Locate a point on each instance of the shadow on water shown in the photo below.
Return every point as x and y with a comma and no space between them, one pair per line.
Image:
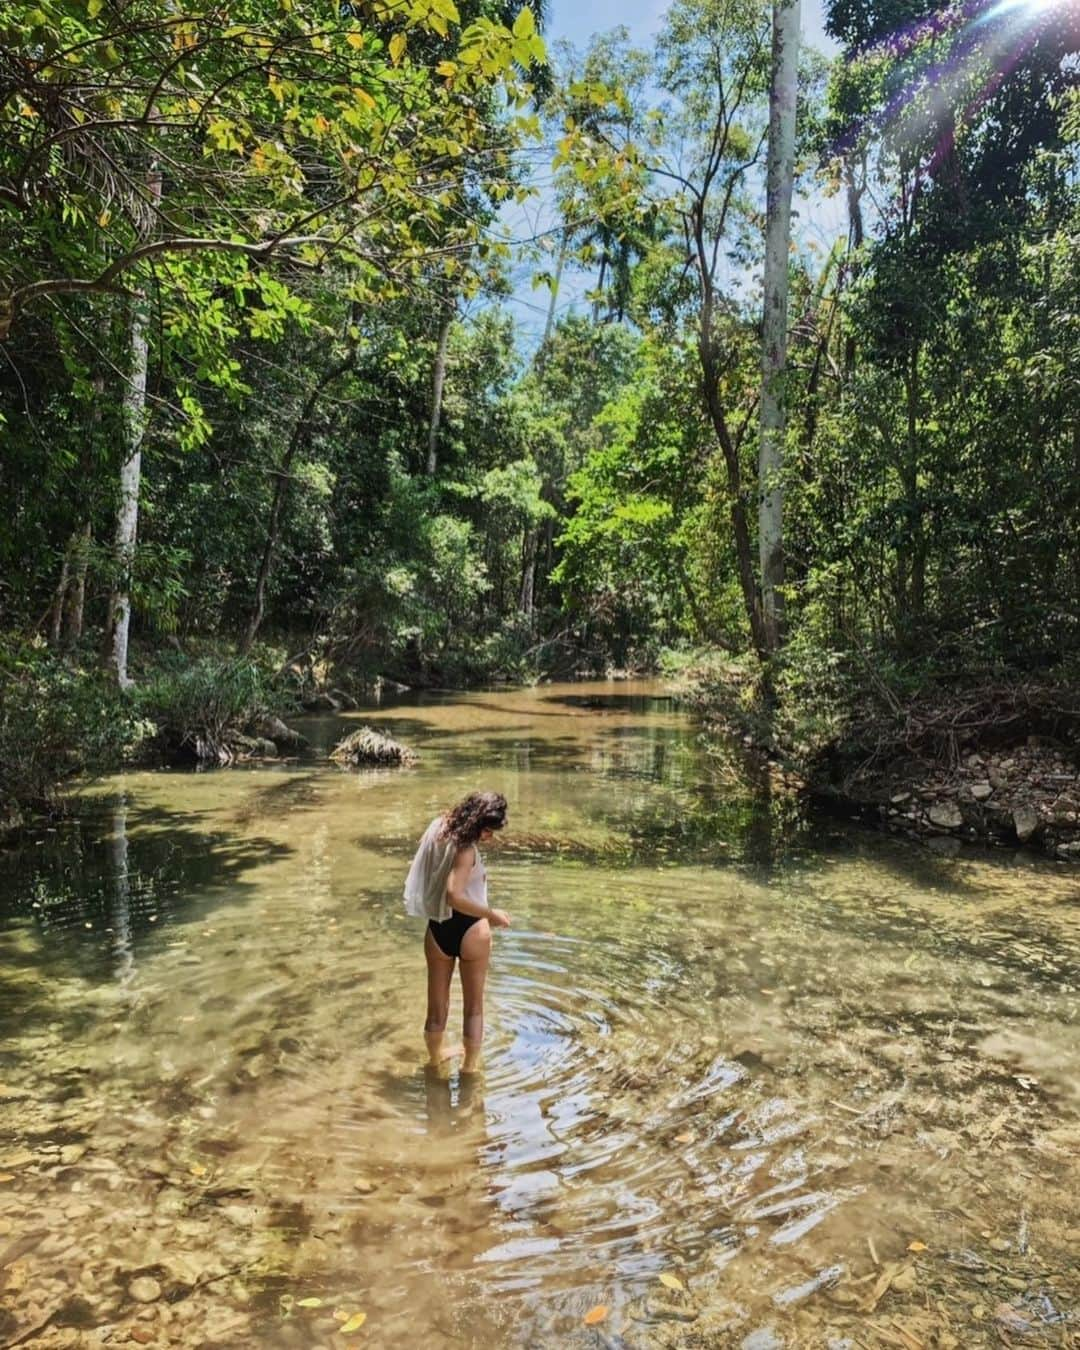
622,703
99,888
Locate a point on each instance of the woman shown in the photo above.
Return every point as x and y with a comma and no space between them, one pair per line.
447,884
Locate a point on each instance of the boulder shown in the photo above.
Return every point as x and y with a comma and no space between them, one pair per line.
946,816
1025,821
274,729
982,791
371,747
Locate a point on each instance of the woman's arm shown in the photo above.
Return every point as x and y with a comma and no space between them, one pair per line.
455,891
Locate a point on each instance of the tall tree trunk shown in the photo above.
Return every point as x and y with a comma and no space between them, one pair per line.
855,191
916,597
56,614
75,608
282,480
133,420
529,548
549,322
438,380
72,599
598,302
783,95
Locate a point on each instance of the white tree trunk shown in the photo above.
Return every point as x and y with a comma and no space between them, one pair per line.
783,96
127,514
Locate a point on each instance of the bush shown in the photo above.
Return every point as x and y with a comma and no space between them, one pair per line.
57,721
205,700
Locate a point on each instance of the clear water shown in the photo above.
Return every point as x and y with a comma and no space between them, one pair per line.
756,1056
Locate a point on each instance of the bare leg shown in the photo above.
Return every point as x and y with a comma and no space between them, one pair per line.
440,968
475,955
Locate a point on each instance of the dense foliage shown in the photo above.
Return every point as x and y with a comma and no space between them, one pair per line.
297,215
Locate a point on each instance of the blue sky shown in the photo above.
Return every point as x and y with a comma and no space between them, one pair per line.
818,219
578,22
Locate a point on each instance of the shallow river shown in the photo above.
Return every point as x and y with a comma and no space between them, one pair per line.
747,1082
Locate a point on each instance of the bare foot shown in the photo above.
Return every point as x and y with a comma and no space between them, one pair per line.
447,1052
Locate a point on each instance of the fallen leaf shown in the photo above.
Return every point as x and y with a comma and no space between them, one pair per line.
197,1170
881,1288
595,1315
309,1302
671,1281
687,1138
5,1177
355,1322
917,1247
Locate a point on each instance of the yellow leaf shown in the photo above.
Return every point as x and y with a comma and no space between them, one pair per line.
687,1138
671,1281
355,1322
595,1315
94,8
194,105
355,40
447,68
917,1247
362,96
322,126
309,1302
197,1170
398,43
5,1177
104,218
524,24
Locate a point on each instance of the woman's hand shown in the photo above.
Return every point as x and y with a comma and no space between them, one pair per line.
498,918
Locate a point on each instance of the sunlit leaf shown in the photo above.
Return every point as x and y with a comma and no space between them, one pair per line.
309,1302
398,43
917,1247
595,1315
355,1322
197,1170
671,1282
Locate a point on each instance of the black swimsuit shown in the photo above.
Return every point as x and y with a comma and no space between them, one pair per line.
449,933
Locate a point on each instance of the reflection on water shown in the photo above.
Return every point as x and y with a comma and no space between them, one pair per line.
826,1087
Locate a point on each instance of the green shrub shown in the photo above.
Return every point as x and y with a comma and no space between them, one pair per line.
56,721
207,698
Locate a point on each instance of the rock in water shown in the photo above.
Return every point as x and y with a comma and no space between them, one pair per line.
946,816
368,746
1026,822
144,1289
274,729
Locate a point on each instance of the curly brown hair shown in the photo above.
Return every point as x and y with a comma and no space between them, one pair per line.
479,811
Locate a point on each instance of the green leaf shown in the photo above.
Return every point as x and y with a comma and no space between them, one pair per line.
524,24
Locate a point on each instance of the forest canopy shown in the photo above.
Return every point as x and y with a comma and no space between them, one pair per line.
266,388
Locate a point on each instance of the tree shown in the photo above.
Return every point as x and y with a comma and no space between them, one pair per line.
780,175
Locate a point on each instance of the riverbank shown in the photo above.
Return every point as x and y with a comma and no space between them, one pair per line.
996,763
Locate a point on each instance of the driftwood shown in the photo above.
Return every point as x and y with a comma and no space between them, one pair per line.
368,746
